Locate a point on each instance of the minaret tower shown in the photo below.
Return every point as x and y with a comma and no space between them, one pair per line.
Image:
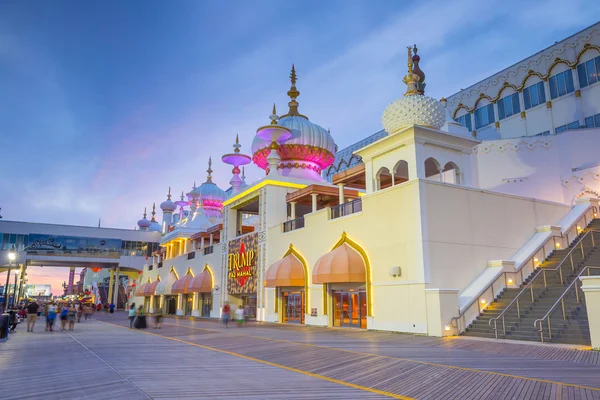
236,159
143,223
167,207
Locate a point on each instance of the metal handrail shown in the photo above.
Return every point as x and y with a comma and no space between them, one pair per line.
542,271
561,299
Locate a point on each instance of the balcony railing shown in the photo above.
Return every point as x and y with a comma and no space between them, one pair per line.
191,255
208,250
293,224
351,207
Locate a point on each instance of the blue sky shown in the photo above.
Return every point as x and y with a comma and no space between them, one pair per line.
104,104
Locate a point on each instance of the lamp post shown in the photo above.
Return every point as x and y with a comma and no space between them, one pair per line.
15,289
12,254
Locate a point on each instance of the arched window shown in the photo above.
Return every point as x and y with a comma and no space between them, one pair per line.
451,173
400,172
432,169
384,178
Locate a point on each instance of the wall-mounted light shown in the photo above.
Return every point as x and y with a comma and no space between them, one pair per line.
578,228
557,245
535,259
482,301
447,328
510,281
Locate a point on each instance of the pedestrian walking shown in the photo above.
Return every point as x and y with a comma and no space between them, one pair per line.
131,315
87,310
158,319
111,308
32,315
79,308
51,316
63,317
140,320
239,316
71,316
226,313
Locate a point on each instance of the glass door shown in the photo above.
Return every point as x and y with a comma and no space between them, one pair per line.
293,307
350,309
206,304
249,304
188,304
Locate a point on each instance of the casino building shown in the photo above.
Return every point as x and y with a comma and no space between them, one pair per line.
417,228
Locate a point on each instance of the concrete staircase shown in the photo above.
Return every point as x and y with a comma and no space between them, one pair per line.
519,318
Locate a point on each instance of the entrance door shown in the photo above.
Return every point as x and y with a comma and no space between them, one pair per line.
171,305
249,303
350,309
293,307
206,304
188,304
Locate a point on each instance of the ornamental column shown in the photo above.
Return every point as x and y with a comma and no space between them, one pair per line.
116,291
110,285
292,210
591,289
341,193
314,201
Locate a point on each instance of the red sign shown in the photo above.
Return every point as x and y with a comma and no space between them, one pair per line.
243,260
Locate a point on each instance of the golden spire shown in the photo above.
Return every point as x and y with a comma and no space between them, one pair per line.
274,116
144,212
411,79
169,195
236,146
209,170
153,212
293,93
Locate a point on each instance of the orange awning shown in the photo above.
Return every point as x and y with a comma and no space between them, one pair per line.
202,283
181,285
151,288
139,291
288,271
340,265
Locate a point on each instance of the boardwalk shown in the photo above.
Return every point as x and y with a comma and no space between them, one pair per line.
201,360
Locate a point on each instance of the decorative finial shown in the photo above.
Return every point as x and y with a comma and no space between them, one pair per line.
274,117
182,195
169,195
418,71
209,170
145,213
237,145
243,174
153,212
194,187
293,93
411,79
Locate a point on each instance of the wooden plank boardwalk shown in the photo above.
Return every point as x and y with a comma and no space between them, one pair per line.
201,360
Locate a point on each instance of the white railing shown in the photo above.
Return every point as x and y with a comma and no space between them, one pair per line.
515,278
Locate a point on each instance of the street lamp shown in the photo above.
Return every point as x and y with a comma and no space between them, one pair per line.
12,254
15,289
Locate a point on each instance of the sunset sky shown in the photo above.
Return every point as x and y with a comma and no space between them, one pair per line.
105,104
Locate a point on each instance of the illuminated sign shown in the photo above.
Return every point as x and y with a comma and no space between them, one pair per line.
242,263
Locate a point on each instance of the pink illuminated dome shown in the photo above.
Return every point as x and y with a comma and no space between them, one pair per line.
310,149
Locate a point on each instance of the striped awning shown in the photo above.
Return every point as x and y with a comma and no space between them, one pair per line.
201,283
151,288
342,264
181,285
139,291
288,271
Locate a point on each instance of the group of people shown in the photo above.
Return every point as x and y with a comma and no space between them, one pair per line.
137,318
241,315
67,313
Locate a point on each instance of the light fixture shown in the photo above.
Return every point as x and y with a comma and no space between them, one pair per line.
557,245
535,259
447,328
578,228
510,281
482,301
12,254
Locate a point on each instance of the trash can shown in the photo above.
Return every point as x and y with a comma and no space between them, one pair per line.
4,322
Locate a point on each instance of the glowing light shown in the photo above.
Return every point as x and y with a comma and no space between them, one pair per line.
510,281
482,301
261,185
535,260
557,245
578,228
447,328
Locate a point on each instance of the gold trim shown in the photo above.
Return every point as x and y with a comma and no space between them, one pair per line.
548,104
345,239
497,124
530,73
174,271
523,114
578,93
292,250
474,133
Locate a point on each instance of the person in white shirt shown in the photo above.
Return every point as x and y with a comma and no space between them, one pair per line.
239,316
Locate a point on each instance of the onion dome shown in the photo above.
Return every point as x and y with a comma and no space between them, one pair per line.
212,196
236,159
168,205
310,149
154,225
143,223
414,108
